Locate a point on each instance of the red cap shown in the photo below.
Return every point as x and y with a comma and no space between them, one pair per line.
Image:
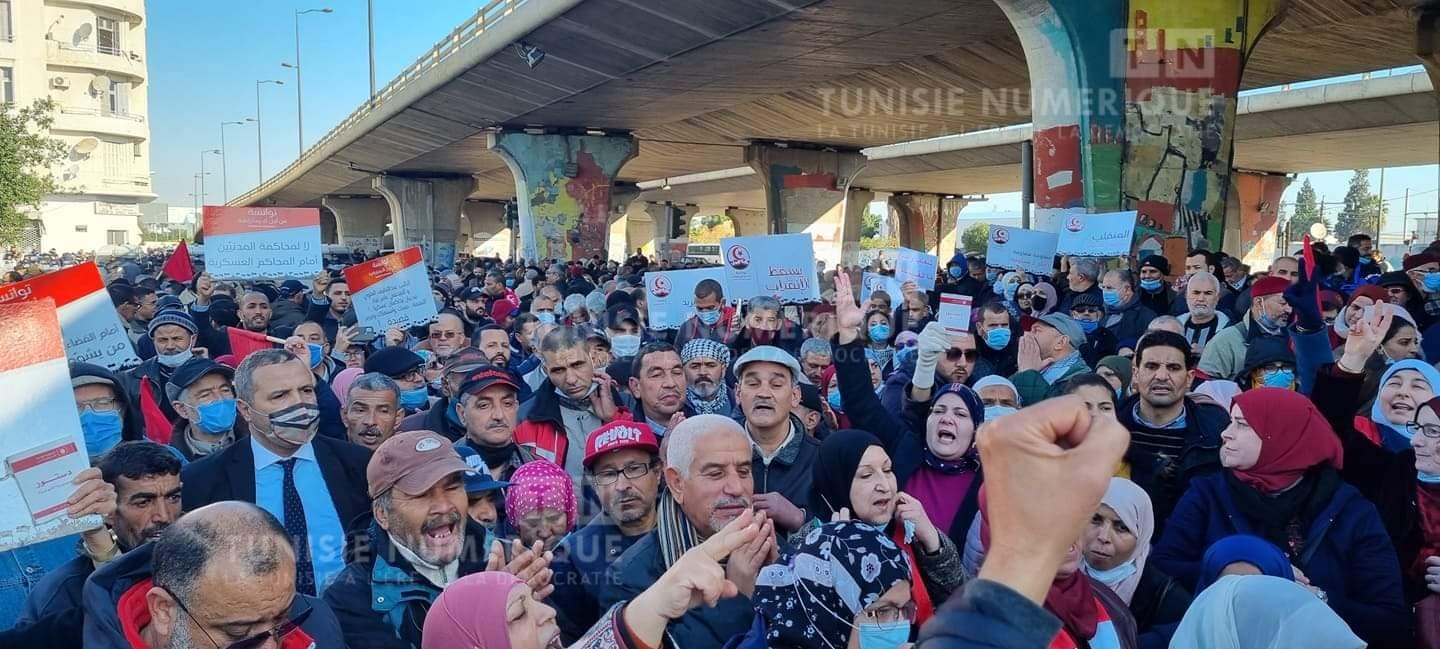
501,309
618,435
1415,261
1269,285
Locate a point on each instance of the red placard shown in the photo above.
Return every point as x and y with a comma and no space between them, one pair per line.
244,220
31,334
361,276
63,286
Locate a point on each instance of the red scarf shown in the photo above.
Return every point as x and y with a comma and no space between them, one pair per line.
1294,437
1071,600
924,606
1428,501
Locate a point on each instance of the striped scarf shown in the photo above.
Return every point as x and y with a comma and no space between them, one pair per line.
718,404
675,532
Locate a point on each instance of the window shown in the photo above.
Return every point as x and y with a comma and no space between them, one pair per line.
117,237
7,85
137,149
117,101
107,35
5,33
82,228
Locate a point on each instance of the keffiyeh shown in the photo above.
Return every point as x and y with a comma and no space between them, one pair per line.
705,348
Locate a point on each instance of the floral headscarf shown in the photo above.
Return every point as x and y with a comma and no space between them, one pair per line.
538,485
811,596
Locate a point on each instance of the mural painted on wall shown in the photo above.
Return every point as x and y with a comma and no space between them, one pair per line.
566,181
1183,69
1259,200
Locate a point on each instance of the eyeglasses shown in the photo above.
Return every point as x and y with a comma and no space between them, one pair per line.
891,615
277,633
103,404
956,354
632,471
444,335
1431,431
412,375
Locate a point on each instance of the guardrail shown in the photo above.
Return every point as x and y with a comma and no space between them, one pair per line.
91,110
489,14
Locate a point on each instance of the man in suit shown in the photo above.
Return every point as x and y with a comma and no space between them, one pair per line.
314,485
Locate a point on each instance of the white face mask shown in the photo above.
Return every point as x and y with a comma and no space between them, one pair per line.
174,360
625,345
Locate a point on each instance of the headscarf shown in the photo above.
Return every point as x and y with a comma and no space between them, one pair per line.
1261,612
470,613
1123,368
971,460
1220,391
1243,547
810,596
1293,438
994,380
341,383
1132,505
1392,433
1376,295
1051,301
538,485
840,456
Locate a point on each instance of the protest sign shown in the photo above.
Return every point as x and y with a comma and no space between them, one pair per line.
391,291
670,295
954,313
916,266
871,282
256,242
1096,235
88,321
40,462
1031,251
779,265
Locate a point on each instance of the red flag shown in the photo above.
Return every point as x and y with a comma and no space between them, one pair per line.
244,343
157,426
178,267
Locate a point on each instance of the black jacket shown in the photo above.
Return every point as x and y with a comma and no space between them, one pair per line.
1159,602
1166,479
149,370
59,591
380,599
433,419
792,469
703,627
230,475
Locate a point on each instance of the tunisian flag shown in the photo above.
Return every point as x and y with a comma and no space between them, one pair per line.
178,267
244,343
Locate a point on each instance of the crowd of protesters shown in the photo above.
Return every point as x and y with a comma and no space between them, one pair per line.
1117,453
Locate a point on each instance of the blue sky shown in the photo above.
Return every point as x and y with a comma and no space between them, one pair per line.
205,56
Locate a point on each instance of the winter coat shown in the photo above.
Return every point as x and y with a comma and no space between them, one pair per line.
581,564
1032,386
1134,318
791,471
703,627
434,419
1159,603
542,429
1165,480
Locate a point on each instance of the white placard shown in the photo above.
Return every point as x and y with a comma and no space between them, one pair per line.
262,242
1097,235
392,291
1032,251
779,265
91,327
916,266
871,282
670,294
954,313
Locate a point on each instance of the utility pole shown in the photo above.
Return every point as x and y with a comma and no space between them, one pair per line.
370,19
1380,207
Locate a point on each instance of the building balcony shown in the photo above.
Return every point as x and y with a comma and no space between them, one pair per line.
132,186
132,10
86,55
89,119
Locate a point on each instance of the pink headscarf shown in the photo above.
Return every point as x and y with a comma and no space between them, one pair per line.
537,485
470,613
341,384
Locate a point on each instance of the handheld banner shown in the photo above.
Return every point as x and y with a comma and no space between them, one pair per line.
1030,251
88,321
871,282
392,291
779,265
916,266
670,294
954,313
262,242
1096,235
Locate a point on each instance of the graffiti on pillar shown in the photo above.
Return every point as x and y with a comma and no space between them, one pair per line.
1259,206
919,220
566,183
1183,68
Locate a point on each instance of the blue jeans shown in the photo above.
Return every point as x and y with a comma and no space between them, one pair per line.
22,568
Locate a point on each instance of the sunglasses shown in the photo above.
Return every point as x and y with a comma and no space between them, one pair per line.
956,354
277,633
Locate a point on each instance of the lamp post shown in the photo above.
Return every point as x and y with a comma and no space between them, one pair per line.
370,28
204,173
259,140
299,100
225,158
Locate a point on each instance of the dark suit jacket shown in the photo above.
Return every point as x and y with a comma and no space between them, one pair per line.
230,475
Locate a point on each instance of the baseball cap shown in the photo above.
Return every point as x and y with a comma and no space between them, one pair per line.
291,287
478,478
618,435
1067,326
465,359
473,293
412,462
769,354
191,371
619,313
487,375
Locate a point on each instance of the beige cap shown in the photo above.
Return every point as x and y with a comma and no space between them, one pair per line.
412,462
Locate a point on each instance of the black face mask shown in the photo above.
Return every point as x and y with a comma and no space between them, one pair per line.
1037,303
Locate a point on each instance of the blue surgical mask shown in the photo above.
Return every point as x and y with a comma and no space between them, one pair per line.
174,360
317,354
217,416
955,272
997,411
990,275
1432,282
1282,378
999,289
834,399
708,317
1088,326
1112,576
102,430
1267,321
1151,284
1428,478
997,338
413,398
879,332
884,636
1111,297
625,345
509,282
1010,289
545,317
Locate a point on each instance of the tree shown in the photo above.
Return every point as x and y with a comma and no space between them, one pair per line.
976,238
870,225
26,154
1307,212
1362,211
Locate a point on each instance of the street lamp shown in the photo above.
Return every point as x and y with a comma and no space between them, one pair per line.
225,156
204,173
259,144
299,102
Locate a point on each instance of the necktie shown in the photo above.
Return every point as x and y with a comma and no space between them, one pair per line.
296,528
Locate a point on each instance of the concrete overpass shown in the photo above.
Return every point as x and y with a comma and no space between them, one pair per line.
635,90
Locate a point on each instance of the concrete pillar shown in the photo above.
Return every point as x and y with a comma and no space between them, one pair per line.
1134,107
488,234
748,222
1252,220
563,186
329,226
1427,40
428,211
802,194
927,222
360,222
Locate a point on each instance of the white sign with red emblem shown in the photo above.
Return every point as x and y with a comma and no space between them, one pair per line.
253,242
1018,249
1096,235
38,463
954,313
781,266
92,329
916,266
670,294
392,291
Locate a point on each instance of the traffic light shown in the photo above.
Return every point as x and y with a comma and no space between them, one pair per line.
679,224
512,214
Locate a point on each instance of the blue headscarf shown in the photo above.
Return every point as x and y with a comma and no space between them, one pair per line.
1242,547
1395,438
